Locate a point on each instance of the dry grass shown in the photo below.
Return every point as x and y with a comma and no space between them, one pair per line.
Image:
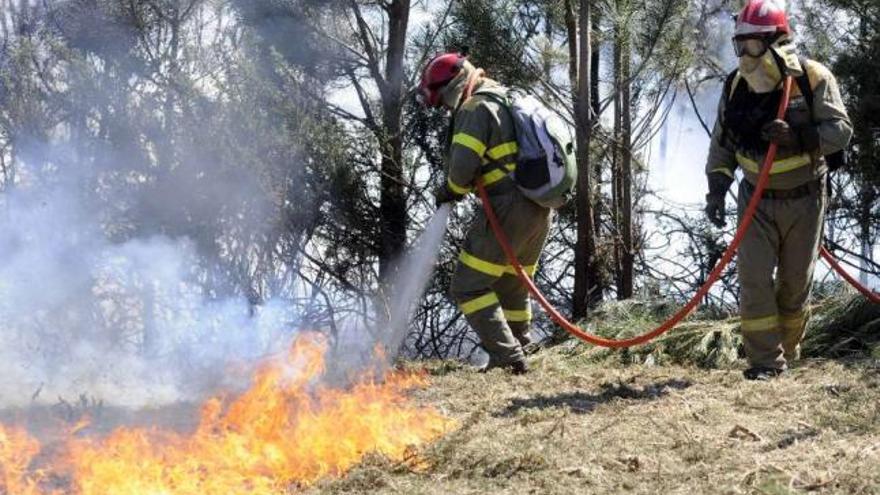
575,427
585,421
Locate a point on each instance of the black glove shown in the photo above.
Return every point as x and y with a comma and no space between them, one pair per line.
715,210
779,132
719,183
443,195
804,138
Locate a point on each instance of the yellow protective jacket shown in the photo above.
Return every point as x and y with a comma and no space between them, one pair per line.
792,167
483,142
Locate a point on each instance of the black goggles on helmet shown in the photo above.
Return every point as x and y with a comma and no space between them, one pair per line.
753,46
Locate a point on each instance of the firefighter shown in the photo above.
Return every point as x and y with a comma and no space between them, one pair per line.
786,230
482,145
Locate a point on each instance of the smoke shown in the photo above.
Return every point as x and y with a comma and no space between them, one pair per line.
138,212
129,323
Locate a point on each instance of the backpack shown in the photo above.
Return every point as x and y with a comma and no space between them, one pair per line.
546,169
835,160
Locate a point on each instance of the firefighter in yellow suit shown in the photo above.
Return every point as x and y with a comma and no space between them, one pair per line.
786,231
483,146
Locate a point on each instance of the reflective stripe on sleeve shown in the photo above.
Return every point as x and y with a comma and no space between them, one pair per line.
779,166
470,143
502,150
456,188
724,170
497,174
479,303
518,315
760,324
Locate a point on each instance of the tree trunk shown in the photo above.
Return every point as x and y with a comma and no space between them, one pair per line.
627,255
571,29
594,68
393,197
586,288
622,157
595,60
168,154
616,150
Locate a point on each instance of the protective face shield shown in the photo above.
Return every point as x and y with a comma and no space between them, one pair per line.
753,46
761,73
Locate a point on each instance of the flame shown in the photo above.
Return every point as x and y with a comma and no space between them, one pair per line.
283,432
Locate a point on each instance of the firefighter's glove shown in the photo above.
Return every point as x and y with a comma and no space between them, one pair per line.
719,183
715,210
779,132
443,195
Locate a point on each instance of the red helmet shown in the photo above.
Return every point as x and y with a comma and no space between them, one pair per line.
439,72
760,18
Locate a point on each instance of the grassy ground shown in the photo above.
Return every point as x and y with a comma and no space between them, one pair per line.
585,421
575,427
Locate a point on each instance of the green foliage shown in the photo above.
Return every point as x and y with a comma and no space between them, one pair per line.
842,326
498,34
704,343
845,35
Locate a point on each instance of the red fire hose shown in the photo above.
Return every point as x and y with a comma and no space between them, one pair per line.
573,329
872,296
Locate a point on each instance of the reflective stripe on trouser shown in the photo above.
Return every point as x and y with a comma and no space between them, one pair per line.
515,306
784,235
793,327
484,285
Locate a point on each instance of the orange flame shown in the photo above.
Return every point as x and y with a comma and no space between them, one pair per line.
282,432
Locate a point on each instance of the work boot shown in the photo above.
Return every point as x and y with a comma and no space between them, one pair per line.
518,367
531,348
762,373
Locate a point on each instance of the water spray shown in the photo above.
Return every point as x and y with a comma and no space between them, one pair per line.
412,277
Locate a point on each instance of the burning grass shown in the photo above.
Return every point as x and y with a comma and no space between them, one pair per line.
284,432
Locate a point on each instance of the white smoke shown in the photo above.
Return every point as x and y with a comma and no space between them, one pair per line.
127,323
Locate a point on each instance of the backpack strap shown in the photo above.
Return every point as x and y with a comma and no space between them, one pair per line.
730,84
803,82
504,101
837,159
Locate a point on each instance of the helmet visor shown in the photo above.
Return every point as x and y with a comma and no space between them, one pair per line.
751,46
